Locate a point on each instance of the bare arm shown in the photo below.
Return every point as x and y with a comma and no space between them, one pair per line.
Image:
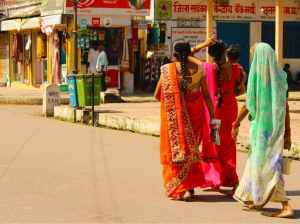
207,98
243,113
235,126
241,84
205,44
195,60
287,133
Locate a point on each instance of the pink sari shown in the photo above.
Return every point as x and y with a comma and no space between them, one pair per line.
221,158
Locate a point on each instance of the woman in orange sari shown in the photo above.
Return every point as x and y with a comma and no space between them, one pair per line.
181,90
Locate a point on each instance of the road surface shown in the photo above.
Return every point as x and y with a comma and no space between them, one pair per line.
56,172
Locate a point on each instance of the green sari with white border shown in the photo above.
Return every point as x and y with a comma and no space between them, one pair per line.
266,101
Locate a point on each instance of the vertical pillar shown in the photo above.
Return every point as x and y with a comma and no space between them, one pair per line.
209,22
49,58
75,65
70,44
279,31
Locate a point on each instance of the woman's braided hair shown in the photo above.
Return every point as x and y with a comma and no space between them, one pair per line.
181,52
217,52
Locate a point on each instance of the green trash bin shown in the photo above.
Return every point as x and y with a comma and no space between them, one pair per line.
84,90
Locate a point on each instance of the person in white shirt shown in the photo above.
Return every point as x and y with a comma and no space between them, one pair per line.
92,59
102,61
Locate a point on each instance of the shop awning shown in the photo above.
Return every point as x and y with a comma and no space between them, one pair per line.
30,23
23,8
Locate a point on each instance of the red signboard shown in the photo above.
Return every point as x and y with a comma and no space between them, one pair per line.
113,4
96,21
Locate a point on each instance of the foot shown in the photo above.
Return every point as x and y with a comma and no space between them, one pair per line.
284,213
192,192
231,193
252,207
188,195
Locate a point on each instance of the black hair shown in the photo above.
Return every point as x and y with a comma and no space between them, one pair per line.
233,52
217,52
181,52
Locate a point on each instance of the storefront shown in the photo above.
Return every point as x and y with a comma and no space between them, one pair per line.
242,22
111,23
110,31
29,49
4,59
41,38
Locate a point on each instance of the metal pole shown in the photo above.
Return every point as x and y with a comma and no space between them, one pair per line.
75,46
93,99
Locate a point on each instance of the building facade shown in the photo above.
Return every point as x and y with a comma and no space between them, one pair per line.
242,22
36,40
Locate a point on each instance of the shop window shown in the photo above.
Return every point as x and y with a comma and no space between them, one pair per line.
268,33
291,39
114,38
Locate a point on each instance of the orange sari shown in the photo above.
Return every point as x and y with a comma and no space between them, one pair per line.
181,133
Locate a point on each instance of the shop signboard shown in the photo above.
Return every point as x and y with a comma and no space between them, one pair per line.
180,9
237,10
111,7
20,8
83,24
96,21
52,7
192,35
247,10
106,21
291,10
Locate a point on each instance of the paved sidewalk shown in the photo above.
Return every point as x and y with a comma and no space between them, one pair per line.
34,96
145,118
25,96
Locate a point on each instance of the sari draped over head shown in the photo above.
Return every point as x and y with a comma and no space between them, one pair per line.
266,102
179,146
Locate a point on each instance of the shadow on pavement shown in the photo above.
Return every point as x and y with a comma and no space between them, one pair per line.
108,111
212,198
293,193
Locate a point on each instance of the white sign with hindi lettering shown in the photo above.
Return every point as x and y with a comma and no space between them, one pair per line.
237,10
51,98
192,35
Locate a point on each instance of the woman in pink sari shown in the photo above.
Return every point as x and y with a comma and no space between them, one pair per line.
223,79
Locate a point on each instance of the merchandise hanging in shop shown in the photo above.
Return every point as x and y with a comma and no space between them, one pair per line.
152,70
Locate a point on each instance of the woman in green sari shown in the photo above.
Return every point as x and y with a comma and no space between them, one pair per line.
266,105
